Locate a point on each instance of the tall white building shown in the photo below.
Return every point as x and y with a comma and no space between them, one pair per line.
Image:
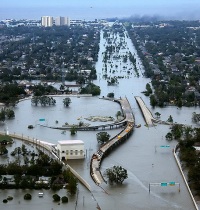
61,21
47,21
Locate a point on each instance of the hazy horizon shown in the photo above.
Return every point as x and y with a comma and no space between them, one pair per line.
90,9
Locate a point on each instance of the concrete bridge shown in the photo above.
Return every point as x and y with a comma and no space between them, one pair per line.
91,128
149,119
120,138
107,126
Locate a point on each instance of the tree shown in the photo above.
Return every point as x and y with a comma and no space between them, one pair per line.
10,113
66,101
2,115
170,119
56,197
43,100
111,95
195,117
177,131
3,150
17,179
118,114
72,184
153,100
35,100
157,114
102,137
112,81
91,89
169,136
148,90
64,199
73,130
116,174
27,196
71,181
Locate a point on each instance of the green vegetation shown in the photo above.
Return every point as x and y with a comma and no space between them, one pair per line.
6,138
11,93
66,101
169,136
33,167
118,114
116,174
188,138
148,91
3,150
111,95
40,90
27,196
170,55
64,199
49,54
91,89
195,117
9,113
73,130
102,137
72,182
170,119
157,114
112,81
43,100
56,197
6,113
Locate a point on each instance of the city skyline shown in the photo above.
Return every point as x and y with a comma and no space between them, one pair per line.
89,9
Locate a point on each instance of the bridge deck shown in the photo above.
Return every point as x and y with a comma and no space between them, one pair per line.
145,111
115,141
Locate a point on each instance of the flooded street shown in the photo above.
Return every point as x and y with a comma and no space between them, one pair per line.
142,156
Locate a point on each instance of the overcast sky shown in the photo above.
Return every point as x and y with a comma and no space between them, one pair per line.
98,8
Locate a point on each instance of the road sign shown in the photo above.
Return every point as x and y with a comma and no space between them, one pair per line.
164,146
41,119
171,183
163,184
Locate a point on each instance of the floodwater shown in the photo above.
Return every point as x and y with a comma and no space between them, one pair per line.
142,156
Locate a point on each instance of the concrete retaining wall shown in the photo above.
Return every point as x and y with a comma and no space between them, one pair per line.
186,183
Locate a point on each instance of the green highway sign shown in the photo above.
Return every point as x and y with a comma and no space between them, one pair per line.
171,183
164,146
41,119
163,184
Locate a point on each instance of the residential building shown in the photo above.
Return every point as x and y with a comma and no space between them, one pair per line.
61,21
47,21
